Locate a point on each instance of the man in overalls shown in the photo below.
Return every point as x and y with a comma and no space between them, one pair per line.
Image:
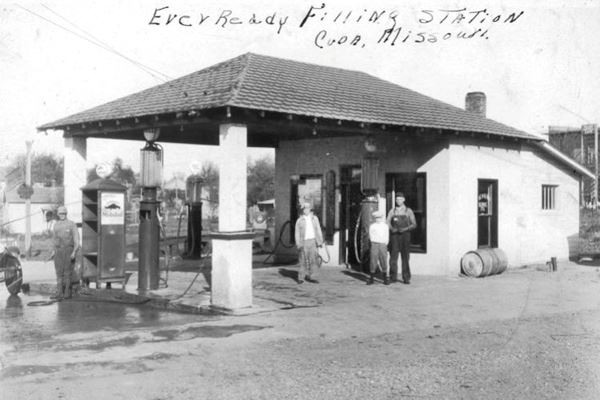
66,243
401,221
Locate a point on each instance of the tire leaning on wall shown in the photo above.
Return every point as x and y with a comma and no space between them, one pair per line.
484,262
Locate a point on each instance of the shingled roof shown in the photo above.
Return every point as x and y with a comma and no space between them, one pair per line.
267,83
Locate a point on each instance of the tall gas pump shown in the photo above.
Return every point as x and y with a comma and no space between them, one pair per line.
194,205
369,204
151,157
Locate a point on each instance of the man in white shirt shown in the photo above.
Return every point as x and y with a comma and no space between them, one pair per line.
308,236
379,235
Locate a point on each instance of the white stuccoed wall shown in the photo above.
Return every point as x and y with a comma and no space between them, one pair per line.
525,232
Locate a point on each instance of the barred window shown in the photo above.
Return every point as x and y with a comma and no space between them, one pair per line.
549,197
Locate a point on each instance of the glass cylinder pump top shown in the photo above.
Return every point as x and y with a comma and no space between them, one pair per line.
151,167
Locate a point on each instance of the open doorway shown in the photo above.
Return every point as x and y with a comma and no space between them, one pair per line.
487,213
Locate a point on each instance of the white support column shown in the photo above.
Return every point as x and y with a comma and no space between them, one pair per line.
231,286
75,175
232,177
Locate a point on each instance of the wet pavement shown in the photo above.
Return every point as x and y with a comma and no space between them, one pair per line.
72,316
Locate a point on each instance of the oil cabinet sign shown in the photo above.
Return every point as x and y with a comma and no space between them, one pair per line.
113,208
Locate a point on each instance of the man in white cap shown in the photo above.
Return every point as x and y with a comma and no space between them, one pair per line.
308,236
66,243
379,235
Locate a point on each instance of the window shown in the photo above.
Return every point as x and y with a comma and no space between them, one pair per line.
549,197
413,185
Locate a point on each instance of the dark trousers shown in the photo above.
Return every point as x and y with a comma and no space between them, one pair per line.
64,268
400,244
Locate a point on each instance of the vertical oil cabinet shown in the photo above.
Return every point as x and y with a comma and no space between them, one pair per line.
103,232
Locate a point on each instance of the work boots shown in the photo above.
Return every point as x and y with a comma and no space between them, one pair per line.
371,280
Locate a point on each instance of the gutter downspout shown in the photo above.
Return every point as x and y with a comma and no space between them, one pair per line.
548,148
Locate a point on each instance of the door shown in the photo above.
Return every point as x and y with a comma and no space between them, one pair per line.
351,197
487,213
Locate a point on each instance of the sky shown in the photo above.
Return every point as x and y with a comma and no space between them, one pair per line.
537,61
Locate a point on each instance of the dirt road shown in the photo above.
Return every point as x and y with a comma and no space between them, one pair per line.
525,334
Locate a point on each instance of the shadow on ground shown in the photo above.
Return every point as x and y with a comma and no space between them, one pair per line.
288,273
355,274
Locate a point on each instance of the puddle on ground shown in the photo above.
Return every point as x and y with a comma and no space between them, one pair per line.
209,331
99,346
22,370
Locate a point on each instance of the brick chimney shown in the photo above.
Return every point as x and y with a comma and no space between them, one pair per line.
475,102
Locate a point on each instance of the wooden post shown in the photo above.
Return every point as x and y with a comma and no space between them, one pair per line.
595,129
28,143
581,185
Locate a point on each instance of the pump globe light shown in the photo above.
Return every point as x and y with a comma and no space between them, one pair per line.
370,145
151,134
104,169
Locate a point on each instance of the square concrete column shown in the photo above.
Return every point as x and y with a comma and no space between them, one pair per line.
231,285
75,175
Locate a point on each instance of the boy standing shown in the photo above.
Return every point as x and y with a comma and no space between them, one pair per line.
379,236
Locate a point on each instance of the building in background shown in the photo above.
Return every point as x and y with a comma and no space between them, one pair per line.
44,202
580,144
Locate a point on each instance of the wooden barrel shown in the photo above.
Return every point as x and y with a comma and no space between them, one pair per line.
484,262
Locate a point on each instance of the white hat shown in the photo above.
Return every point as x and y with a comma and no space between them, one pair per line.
306,205
378,214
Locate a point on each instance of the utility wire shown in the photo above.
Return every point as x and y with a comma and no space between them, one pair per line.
107,46
574,113
144,68
33,214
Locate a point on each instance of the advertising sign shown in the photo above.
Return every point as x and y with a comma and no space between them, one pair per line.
588,129
113,208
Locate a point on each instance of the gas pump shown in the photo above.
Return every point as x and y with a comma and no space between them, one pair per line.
194,227
369,204
149,229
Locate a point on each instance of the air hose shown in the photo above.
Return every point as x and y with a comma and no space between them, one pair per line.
279,241
356,252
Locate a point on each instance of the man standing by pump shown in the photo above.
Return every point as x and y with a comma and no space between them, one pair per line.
401,221
308,237
66,243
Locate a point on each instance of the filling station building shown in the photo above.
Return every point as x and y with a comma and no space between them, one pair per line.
340,135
